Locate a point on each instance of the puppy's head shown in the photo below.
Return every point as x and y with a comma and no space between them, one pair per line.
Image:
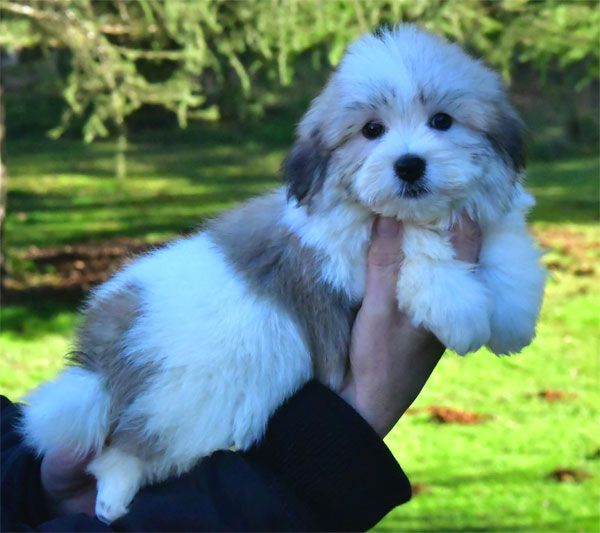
409,126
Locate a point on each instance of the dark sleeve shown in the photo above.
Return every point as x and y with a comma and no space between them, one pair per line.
20,490
319,467
23,506
326,453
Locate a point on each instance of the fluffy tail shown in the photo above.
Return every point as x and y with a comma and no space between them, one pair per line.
71,412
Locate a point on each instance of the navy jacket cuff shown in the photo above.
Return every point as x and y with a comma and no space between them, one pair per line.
325,452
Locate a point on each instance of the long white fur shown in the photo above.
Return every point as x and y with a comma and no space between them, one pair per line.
79,393
226,370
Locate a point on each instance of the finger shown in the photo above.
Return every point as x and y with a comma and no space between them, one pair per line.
82,502
385,249
465,235
67,462
383,261
63,472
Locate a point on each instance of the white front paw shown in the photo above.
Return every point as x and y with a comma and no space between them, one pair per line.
517,298
448,300
465,332
511,331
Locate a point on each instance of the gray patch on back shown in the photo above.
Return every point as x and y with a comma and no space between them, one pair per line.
277,266
100,349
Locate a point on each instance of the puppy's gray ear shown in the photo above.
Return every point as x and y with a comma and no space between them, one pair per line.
305,168
507,135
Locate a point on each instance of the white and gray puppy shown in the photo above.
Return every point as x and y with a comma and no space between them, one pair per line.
191,348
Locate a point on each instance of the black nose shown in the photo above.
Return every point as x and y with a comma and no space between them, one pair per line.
409,168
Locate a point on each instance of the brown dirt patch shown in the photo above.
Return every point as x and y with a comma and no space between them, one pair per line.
76,268
70,269
570,250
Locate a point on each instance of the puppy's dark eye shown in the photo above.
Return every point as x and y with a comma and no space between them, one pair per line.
440,121
372,130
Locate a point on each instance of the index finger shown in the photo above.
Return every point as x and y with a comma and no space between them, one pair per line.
466,237
383,262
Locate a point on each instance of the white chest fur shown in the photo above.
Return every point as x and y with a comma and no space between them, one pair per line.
341,232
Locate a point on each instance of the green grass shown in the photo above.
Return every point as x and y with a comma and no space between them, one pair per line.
65,192
495,476
492,476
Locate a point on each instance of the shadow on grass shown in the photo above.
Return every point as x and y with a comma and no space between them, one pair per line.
565,191
578,523
132,217
33,316
224,190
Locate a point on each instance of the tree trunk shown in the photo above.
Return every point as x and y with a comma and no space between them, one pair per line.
3,179
121,155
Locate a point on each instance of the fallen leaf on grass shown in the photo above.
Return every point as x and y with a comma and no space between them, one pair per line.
419,488
447,415
413,411
553,395
569,475
584,270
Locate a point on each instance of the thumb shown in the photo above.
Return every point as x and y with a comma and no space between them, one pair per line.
384,258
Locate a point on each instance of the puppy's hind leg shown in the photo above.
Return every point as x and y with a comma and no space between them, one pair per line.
119,476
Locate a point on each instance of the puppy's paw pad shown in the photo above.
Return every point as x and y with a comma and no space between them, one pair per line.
108,511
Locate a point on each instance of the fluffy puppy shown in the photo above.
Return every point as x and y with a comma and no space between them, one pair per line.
226,324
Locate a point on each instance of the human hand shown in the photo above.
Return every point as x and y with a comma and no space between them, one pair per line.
391,360
68,487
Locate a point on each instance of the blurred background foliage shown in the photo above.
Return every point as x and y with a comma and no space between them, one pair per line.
195,102
226,59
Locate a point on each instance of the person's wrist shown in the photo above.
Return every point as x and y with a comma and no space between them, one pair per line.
373,414
380,402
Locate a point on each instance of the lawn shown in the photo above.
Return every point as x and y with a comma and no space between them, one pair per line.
533,460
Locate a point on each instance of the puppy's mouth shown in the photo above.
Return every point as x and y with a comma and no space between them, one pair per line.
414,190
